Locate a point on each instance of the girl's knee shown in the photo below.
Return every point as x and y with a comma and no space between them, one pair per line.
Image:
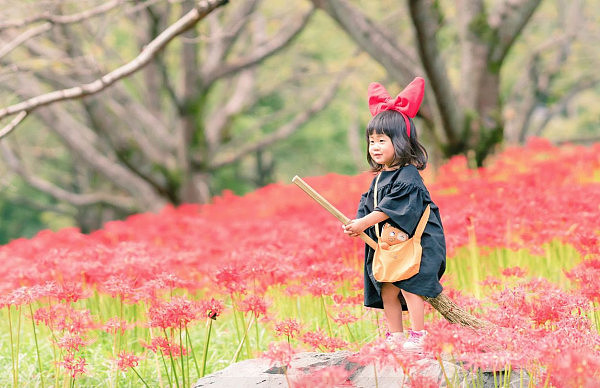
389,292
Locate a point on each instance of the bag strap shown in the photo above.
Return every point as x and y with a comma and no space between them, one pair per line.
420,226
375,205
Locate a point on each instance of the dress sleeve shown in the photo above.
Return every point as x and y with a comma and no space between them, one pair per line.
361,206
404,204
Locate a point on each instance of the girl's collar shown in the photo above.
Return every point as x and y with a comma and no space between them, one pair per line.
393,168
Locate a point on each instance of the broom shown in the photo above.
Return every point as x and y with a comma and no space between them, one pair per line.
442,303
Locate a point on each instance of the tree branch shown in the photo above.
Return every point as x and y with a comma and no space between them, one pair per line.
75,199
51,20
561,104
259,54
513,16
399,62
186,22
237,153
242,95
423,17
62,19
13,124
221,41
23,37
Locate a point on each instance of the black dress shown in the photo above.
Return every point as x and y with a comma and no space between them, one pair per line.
402,195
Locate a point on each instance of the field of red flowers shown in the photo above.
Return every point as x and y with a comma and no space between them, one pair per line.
162,299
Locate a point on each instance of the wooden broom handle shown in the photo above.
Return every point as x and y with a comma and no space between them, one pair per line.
441,303
330,208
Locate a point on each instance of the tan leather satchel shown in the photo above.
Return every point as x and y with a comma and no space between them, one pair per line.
401,259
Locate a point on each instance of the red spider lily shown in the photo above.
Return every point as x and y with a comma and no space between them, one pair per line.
313,338
115,325
333,343
380,353
319,287
575,369
337,298
585,275
176,313
166,347
514,271
211,308
289,327
345,318
569,364
127,360
331,376
120,286
422,381
254,304
72,342
62,317
74,367
280,353
27,295
536,300
70,292
319,340
232,278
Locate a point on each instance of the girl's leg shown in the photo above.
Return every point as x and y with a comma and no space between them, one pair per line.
392,308
416,309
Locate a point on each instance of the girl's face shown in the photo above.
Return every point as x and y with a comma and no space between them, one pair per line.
381,149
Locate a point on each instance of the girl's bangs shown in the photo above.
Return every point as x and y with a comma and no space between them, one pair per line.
386,123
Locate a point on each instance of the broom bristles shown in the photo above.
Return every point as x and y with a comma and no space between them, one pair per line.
454,314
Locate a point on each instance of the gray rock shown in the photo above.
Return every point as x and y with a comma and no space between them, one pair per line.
261,373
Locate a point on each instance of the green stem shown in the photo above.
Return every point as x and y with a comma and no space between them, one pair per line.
326,316
257,337
17,347
172,362
181,357
205,352
238,350
189,341
474,257
444,371
352,339
115,354
166,368
55,358
117,344
12,353
138,375
507,374
247,343
37,348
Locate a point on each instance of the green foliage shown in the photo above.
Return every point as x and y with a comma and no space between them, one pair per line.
21,216
18,221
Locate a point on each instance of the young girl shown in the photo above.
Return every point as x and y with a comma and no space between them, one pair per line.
396,155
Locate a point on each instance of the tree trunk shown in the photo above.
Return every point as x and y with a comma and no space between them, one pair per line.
470,112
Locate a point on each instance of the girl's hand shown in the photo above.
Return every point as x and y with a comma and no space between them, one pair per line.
355,227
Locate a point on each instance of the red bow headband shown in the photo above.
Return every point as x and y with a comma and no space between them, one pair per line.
406,102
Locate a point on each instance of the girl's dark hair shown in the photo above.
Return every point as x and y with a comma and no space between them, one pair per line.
408,150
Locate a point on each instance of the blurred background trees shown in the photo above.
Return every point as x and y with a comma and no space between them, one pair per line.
260,90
